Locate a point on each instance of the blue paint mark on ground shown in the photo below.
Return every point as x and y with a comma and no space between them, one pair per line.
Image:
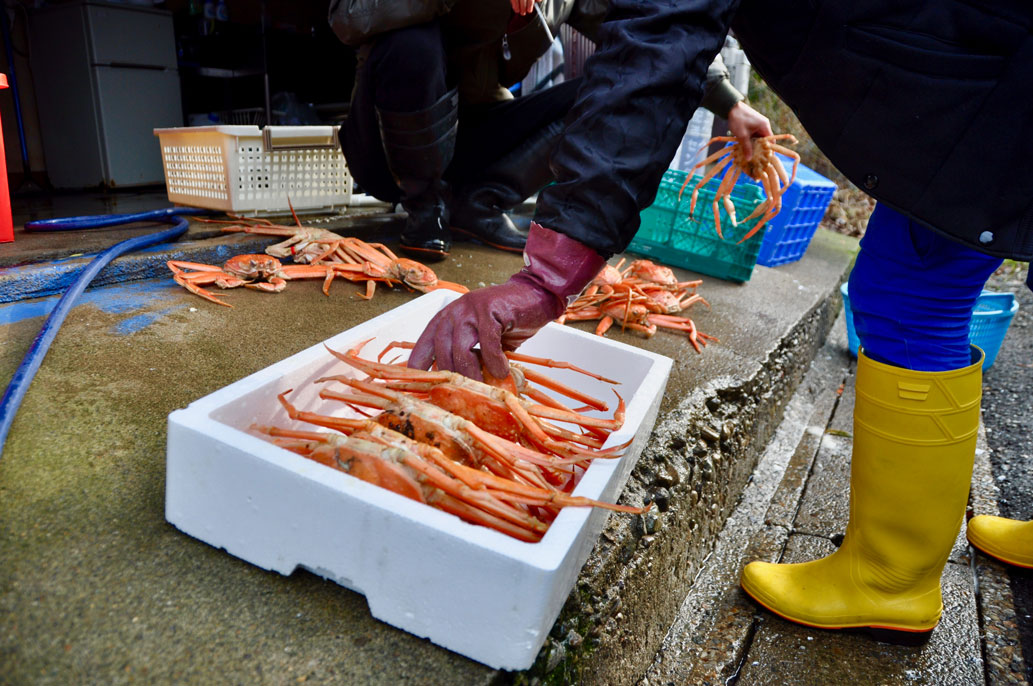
9,314
141,321
122,298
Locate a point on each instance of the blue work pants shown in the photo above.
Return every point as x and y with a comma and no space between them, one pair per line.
912,292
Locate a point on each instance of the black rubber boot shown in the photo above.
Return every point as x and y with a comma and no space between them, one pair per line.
419,146
479,209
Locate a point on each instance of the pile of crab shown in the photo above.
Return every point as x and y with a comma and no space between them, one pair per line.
643,296
501,453
317,253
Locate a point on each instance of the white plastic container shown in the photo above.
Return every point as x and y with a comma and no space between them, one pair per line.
468,588
246,170
697,133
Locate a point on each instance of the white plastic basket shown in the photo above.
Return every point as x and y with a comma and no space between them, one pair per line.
250,171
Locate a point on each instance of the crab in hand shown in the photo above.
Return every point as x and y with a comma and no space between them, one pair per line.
763,166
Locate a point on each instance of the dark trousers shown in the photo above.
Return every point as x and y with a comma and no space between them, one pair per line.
406,71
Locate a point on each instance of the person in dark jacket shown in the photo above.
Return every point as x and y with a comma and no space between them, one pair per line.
433,126
921,103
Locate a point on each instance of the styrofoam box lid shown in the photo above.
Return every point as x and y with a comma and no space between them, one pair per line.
468,588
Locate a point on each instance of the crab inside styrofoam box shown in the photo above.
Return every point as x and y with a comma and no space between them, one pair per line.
468,588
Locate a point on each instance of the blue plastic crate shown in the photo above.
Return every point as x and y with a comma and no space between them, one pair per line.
990,321
991,318
803,205
668,234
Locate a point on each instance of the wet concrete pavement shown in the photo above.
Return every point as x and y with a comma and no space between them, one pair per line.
748,458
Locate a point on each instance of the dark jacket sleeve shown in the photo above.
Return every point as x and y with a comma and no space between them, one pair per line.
719,95
641,87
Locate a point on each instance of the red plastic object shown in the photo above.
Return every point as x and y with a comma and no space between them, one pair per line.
6,225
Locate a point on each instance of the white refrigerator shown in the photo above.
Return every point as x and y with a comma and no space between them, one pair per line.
105,76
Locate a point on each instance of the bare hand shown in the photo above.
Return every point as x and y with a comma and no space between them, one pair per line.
745,123
523,6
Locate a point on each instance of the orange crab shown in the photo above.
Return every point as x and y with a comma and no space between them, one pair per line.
643,296
763,166
260,272
353,258
378,262
488,456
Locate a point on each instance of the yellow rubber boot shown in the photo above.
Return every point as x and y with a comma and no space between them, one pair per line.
1007,540
914,444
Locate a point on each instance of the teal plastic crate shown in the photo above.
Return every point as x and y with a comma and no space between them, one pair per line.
991,318
668,234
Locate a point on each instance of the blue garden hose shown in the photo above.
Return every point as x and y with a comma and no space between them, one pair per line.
98,221
23,376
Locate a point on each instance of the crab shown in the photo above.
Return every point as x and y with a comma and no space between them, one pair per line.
763,166
261,272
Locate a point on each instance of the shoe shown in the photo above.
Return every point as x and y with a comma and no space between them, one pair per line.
489,225
419,147
1007,540
479,209
914,445
426,234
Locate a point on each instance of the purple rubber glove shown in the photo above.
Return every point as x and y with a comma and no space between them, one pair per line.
557,268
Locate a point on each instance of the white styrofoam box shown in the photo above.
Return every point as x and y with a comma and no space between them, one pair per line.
697,133
250,171
468,588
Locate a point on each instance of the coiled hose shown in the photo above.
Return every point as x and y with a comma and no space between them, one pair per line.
23,376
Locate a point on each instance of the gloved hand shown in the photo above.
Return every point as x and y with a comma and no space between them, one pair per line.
500,318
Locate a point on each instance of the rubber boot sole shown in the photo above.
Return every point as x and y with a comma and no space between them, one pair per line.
999,558
884,634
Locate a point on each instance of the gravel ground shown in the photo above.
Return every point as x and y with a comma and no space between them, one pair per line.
1006,415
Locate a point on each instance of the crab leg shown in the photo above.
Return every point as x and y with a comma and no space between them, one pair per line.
776,205
555,364
473,478
444,437
791,154
709,175
520,357
447,432
203,273
725,192
383,466
759,210
516,405
532,430
712,158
